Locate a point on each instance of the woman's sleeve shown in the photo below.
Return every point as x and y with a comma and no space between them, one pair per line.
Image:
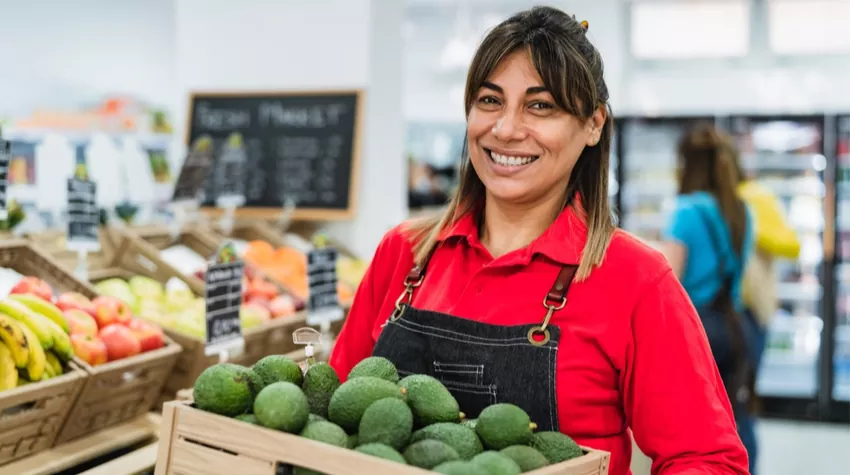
674,399
682,223
354,342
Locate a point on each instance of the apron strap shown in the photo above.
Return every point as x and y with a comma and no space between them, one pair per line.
417,273
558,293
556,299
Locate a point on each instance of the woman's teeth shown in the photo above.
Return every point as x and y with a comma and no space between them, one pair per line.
509,161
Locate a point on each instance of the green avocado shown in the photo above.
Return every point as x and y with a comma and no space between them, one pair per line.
430,401
224,389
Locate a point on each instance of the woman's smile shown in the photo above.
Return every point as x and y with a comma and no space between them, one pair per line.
504,162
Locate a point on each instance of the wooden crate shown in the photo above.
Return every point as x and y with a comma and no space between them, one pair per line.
33,415
135,255
53,242
125,449
120,391
110,394
194,442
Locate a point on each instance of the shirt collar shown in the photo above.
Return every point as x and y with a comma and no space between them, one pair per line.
563,242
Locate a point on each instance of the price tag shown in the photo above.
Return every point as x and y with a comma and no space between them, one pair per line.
194,171
5,158
323,303
83,215
223,301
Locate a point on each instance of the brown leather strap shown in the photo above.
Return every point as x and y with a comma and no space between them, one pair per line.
559,289
418,272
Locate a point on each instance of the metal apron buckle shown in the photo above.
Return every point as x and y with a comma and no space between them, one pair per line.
542,329
404,300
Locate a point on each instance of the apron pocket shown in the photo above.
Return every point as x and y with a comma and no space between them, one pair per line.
460,373
473,398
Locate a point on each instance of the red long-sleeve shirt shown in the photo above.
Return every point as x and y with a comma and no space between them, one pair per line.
632,355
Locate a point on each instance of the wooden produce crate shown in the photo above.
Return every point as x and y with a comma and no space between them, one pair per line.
194,442
34,414
137,253
261,231
53,242
110,393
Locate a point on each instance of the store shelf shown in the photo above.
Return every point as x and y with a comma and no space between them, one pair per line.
797,291
783,161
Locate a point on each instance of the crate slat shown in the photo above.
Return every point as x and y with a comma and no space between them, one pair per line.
195,442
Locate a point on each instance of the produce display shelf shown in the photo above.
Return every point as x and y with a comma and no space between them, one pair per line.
137,253
194,442
138,436
108,395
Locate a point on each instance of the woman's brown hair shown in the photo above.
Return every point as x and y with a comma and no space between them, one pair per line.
571,70
709,162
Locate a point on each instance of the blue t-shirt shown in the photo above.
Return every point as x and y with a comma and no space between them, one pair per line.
689,225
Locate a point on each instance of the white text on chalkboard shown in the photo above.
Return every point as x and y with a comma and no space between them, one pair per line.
222,119
275,114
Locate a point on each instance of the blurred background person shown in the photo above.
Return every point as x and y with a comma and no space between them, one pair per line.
707,242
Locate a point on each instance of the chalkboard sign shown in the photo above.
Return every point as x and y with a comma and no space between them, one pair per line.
223,301
194,171
83,216
323,303
274,147
5,158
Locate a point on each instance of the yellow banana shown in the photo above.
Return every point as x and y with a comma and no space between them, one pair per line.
35,321
43,307
13,337
8,372
38,360
48,372
53,363
61,342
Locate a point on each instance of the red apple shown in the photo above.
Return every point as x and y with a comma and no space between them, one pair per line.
109,310
281,306
33,285
80,322
90,349
75,301
120,342
149,335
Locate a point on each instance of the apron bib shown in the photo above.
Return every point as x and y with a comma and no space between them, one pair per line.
480,364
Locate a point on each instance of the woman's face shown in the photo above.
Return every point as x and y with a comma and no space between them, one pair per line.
522,145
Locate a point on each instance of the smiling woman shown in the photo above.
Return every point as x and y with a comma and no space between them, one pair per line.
524,292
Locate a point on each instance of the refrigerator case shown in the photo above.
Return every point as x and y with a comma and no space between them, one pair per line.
841,355
648,165
787,156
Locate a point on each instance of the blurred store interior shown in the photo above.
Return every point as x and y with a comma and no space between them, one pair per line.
111,81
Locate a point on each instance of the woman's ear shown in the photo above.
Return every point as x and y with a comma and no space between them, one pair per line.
597,123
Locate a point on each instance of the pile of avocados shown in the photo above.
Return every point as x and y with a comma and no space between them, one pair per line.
414,421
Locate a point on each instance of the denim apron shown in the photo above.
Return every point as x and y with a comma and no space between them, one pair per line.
480,364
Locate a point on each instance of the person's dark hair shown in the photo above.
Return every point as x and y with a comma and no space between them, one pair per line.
572,71
708,161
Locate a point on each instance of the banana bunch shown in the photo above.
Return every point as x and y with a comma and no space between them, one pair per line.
34,341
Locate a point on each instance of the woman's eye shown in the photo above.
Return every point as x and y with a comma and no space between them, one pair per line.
542,106
489,100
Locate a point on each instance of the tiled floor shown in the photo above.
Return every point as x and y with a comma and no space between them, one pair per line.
793,448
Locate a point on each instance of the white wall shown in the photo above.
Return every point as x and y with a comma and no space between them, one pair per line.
58,53
321,44
759,83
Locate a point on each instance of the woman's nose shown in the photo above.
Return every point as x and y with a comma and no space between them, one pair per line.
508,127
